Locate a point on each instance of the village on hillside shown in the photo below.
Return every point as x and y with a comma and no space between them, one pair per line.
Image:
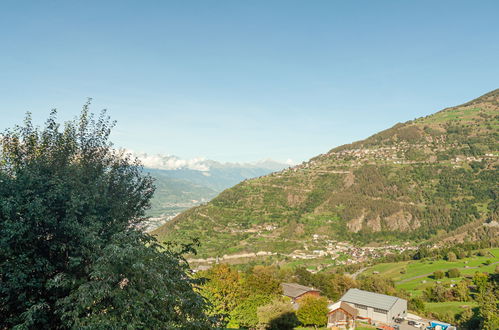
339,253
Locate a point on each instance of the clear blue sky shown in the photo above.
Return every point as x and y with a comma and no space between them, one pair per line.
245,80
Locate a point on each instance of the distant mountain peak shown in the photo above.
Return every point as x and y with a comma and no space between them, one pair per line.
172,162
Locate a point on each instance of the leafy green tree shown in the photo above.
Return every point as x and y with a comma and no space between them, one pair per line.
453,273
438,274
312,311
416,304
72,254
480,280
435,293
488,307
451,256
245,314
379,284
223,289
468,320
263,280
461,291
135,284
277,315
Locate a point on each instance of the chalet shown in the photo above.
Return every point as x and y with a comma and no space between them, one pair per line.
375,307
341,315
297,291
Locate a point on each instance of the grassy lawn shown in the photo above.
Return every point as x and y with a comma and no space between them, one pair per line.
416,268
449,306
404,270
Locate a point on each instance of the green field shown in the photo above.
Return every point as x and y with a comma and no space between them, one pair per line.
405,270
455,307
416,275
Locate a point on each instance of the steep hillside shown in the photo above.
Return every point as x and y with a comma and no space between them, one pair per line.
180,187
411,182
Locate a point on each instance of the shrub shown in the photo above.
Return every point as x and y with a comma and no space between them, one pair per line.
438,274
417,305
454,272
451,256
279,314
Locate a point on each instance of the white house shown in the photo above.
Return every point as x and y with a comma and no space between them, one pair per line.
375,306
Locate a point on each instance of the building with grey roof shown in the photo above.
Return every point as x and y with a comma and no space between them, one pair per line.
375,306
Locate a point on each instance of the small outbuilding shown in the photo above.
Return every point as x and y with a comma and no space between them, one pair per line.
297,291
341,315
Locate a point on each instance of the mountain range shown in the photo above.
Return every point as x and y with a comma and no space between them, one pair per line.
430,179
182,184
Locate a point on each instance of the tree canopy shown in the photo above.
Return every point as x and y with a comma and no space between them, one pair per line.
72,253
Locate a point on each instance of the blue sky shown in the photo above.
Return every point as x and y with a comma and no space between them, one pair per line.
245,80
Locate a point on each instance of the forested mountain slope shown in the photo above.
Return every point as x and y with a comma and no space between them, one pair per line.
411,182
178,189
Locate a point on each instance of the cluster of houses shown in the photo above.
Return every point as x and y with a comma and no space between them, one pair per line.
394,153
345,253
381,310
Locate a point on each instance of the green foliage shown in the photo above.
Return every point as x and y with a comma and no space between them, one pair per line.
245,314
312,310
436,293
332,285
277,315
453,273
134,284
480,280
223,290
438,274
263,280
461,291
71,251
488,301
451,256
417,305
379,284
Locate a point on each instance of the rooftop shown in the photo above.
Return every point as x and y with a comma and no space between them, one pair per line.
343,305
371,299
294,290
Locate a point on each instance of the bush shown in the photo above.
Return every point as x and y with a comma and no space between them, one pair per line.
417,305
451,256
279,314
438,274
454,272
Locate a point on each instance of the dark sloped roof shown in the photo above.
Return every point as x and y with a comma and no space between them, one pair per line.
371,299
294,290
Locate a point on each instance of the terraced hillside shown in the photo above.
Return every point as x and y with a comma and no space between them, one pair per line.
412,182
